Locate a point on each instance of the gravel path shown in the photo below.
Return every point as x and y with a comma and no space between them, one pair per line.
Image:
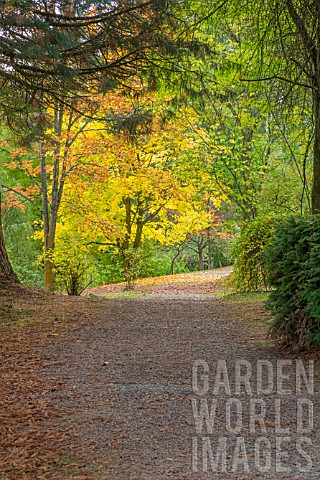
127,389
201,285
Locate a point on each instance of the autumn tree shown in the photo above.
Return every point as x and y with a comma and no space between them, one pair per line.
47,163
52,52
127,196
127,203
179,226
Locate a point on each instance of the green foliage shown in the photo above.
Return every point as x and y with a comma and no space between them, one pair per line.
293,259
73,274
154,261
133,259
108,266
157,261
149,260
74,263
221,254
23,250
249,249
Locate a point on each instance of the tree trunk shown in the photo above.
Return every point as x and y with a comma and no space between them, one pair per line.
209,249
50,215
172,265
48,267
49,250
175,257
173,261
310,41
315,196
7,275
128,277
201,263
48,277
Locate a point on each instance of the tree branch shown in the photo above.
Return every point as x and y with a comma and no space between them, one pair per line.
10,189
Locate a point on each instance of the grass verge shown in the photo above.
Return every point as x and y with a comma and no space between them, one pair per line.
247,297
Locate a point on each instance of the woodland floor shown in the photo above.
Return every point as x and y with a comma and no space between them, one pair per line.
100,387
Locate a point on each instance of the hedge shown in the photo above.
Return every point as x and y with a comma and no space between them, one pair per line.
249,270
293,271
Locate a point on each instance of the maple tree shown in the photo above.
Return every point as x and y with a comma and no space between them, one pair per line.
178,226
54,53
48,162
133,192
120,163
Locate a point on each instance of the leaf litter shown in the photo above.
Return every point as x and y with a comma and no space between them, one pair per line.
101,389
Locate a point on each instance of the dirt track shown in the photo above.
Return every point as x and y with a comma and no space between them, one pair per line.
121,381
128,385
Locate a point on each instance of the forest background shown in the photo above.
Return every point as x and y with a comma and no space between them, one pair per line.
141,138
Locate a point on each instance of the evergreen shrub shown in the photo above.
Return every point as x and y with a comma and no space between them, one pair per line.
249,271
293,264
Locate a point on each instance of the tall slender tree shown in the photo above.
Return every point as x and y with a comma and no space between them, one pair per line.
283,53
